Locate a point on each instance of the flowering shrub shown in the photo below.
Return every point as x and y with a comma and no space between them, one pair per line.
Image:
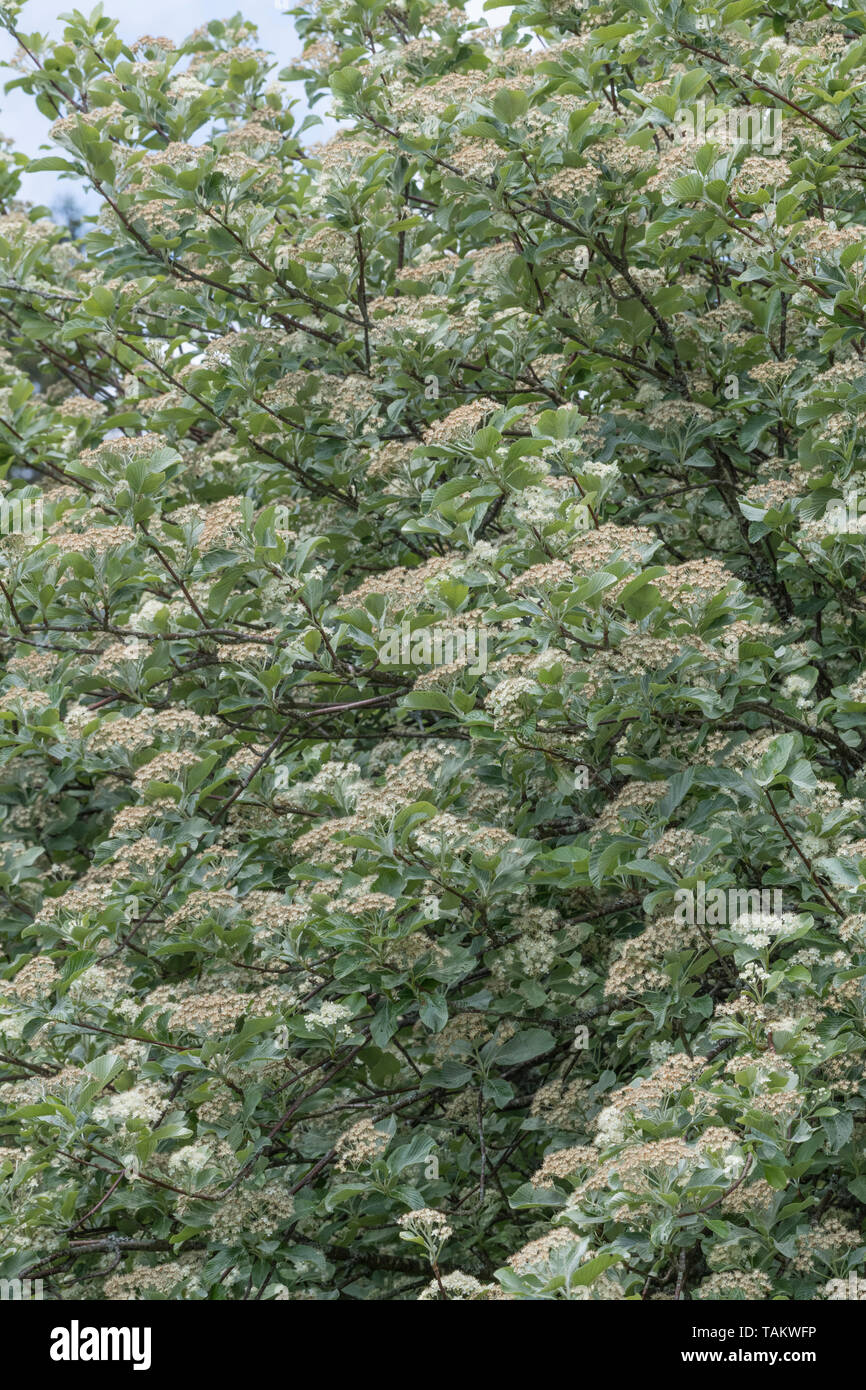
519,960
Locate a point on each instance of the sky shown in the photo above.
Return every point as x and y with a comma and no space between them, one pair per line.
22,123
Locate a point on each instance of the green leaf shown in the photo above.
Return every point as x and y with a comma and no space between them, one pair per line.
532,1042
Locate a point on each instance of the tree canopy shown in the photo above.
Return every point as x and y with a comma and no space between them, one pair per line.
432,722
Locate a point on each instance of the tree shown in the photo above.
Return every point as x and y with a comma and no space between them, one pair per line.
432,736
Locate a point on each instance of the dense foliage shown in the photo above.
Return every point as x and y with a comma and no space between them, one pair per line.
336,963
